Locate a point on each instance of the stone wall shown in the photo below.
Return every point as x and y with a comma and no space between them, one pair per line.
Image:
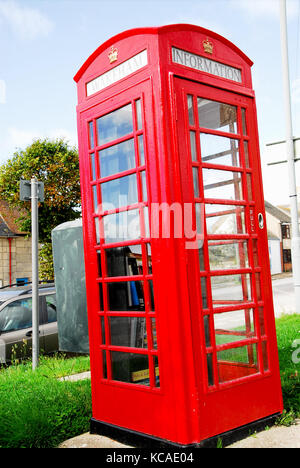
20,259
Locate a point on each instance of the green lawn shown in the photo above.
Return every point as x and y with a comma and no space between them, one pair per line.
288,330
37,410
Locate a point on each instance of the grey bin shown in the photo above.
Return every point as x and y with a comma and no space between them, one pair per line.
69,273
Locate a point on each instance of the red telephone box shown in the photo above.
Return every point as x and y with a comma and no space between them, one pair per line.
181,323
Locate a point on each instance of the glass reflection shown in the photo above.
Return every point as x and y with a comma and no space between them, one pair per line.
117,158
230,289
130,368
221,150
119,192
128,331
228,254
217,115
114,125
119,227
225,219
124,261
224,185
234,326
126,295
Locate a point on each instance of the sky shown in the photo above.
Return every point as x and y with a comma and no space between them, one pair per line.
44,42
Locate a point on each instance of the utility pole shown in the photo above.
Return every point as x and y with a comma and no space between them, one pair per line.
290,155
34,191
35,273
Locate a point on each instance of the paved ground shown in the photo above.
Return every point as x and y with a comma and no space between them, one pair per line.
275,437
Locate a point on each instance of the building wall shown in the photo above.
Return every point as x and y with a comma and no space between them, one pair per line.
20,259
275,256
273,225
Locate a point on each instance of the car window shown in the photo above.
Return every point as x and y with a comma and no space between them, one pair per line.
51,308
16,315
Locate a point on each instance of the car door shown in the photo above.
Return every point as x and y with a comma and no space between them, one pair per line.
16,329
49,326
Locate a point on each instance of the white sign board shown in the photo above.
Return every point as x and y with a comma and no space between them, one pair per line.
206,65
117,73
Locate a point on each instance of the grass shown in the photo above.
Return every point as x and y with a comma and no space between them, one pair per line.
288,330
39,411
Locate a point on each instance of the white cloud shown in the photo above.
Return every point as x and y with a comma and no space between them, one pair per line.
26,22
265,8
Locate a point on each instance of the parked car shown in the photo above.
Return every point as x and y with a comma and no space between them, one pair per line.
16,321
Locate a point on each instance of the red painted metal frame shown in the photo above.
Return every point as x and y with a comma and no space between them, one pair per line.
184,408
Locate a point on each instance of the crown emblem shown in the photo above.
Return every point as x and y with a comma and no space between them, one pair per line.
113,55
207,46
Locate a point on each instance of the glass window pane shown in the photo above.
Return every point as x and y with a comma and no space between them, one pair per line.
190,109
246,151
51,308
217,116
129,367
193,145
144,185
237,362
102,324
128,331
199,217
225,185
219,150
230,289
261,320
99,263
114,125
95,199
97,230
126,295
117,158
119,227
244,122
124,261
264,349
201,259
210,374
101,304
234,326
154,335
91,135
204,292
228,254
138,108
119,192
141,150
249,187
151,292
146,219
225,219
196,182
206,331
16,316
149,259
93,167
156,368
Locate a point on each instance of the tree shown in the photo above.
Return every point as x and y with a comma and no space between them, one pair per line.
54,163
